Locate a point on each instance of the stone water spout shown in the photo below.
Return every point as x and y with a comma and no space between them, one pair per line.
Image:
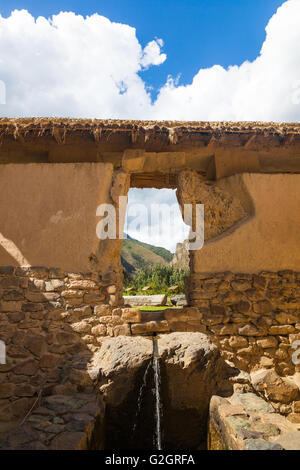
182,369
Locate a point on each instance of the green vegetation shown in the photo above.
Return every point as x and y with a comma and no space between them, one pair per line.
148,308
159,278
148,265
137,255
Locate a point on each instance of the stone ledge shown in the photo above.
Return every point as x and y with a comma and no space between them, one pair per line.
247,422
62,422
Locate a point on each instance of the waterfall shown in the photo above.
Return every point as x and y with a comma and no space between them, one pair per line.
140,397
150,394
157,385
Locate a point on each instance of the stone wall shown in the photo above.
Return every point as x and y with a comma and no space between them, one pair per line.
255,318
47,318
54,322
51,319
247,422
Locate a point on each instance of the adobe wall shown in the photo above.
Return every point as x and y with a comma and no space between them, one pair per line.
268,238
48,213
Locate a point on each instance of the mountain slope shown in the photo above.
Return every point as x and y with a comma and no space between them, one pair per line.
136,255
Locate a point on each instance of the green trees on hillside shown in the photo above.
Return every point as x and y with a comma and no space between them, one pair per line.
159,277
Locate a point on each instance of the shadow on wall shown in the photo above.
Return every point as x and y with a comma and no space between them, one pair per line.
56,228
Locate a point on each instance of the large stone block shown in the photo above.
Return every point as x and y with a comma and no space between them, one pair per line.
274,387
287,318
83,284
237,342
54,284
32,307
117,363
15,317
99,330
81,327
131,315
93,298
13,294
122,330
28,367
152,300
10,306
150,327
111,320
178,300
133,160
35,344
72,294
6,390
66,337
268,342
251,330
102,310
223,330
184,314
281,329
262,307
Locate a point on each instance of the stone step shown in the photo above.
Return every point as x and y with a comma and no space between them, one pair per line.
178,300
140,300
152,316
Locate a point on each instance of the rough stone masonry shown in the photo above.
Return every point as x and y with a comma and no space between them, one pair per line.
61,287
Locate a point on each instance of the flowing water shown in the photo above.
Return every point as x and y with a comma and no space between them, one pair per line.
154,381
157,386
140,397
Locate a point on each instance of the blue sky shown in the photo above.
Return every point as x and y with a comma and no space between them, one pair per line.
196,33
159,59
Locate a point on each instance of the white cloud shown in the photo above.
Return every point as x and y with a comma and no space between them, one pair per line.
73,66
166,229
91,67
265,89
152,54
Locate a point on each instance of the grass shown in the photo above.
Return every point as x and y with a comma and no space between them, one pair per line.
149,308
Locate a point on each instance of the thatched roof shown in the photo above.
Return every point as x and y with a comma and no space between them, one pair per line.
60,128
215,148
